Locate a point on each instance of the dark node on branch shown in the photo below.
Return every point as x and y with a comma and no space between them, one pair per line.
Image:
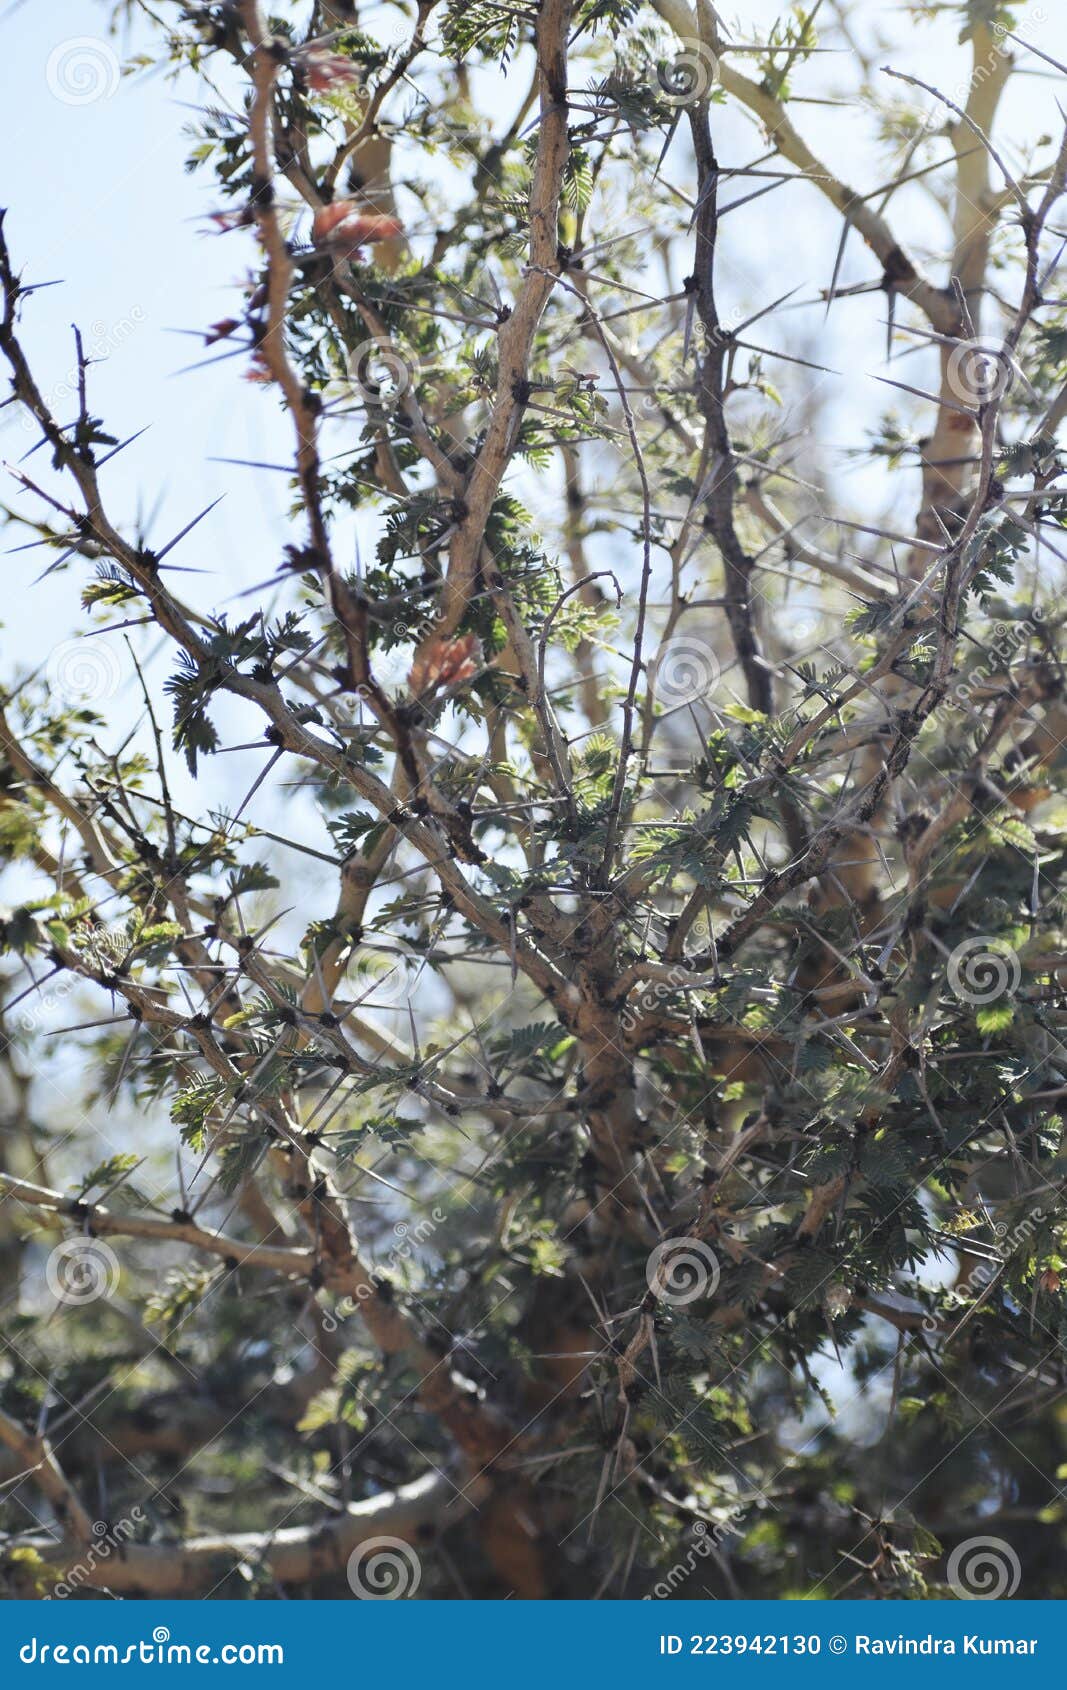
262,196
134,1012
898,270
181,1217
316,1278
383,1287
328,1019
913,826
231,1264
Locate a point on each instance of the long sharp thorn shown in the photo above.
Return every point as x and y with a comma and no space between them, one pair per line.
838,261
169,547
122,445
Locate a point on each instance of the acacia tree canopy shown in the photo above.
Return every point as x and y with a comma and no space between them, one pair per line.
583,1117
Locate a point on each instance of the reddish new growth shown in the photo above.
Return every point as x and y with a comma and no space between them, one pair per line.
445,662
324,71
344,227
